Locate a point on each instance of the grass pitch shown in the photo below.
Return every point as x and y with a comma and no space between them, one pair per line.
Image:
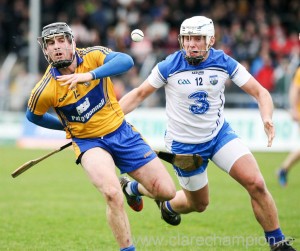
53,206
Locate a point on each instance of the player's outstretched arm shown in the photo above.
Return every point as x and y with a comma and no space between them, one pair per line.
265,104
135,97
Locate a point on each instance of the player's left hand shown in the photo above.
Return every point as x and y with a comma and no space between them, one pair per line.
270,131
73,79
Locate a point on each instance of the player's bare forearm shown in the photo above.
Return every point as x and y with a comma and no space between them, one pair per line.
265,104
134,98
130,101
266,108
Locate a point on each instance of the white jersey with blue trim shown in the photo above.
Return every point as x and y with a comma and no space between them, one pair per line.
195,94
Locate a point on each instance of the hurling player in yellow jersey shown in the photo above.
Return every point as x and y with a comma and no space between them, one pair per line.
294,156
78,87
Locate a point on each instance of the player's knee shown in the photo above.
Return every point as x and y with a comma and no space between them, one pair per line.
166,193
163,190
113,197
200,207
257,185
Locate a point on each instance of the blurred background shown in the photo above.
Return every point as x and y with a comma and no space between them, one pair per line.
262,35
53,207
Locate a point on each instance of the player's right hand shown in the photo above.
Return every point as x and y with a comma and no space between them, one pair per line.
270,131
73,79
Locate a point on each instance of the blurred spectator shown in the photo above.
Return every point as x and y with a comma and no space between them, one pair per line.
265,75
158,30
262,33
140,50
280,45
20,87
81,33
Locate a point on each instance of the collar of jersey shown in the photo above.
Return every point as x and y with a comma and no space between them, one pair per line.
55,72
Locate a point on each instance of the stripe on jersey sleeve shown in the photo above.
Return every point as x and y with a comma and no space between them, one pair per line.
37,93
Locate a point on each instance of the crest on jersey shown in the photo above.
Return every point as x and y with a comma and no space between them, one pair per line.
213,79
87,84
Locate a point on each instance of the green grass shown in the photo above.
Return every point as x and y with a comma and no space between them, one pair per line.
54,207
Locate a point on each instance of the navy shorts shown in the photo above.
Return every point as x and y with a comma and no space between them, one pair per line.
126,146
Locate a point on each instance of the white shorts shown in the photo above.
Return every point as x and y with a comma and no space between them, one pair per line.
224,159
193,183
229,154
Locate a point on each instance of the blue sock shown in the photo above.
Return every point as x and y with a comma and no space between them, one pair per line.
134,188
275,236
169,208
131,248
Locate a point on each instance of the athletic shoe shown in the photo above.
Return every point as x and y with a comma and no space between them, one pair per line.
283,246
173,219
282,177
134,201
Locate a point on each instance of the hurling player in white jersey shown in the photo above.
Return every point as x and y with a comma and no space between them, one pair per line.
194,81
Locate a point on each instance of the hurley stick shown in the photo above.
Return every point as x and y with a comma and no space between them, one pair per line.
187,162
33,162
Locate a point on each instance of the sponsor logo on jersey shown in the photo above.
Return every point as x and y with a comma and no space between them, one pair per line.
63,98
213,79
83,107
89,114
198,72
184,82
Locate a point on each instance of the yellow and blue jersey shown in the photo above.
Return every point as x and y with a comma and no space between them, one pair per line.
91,109
296,82
296,79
